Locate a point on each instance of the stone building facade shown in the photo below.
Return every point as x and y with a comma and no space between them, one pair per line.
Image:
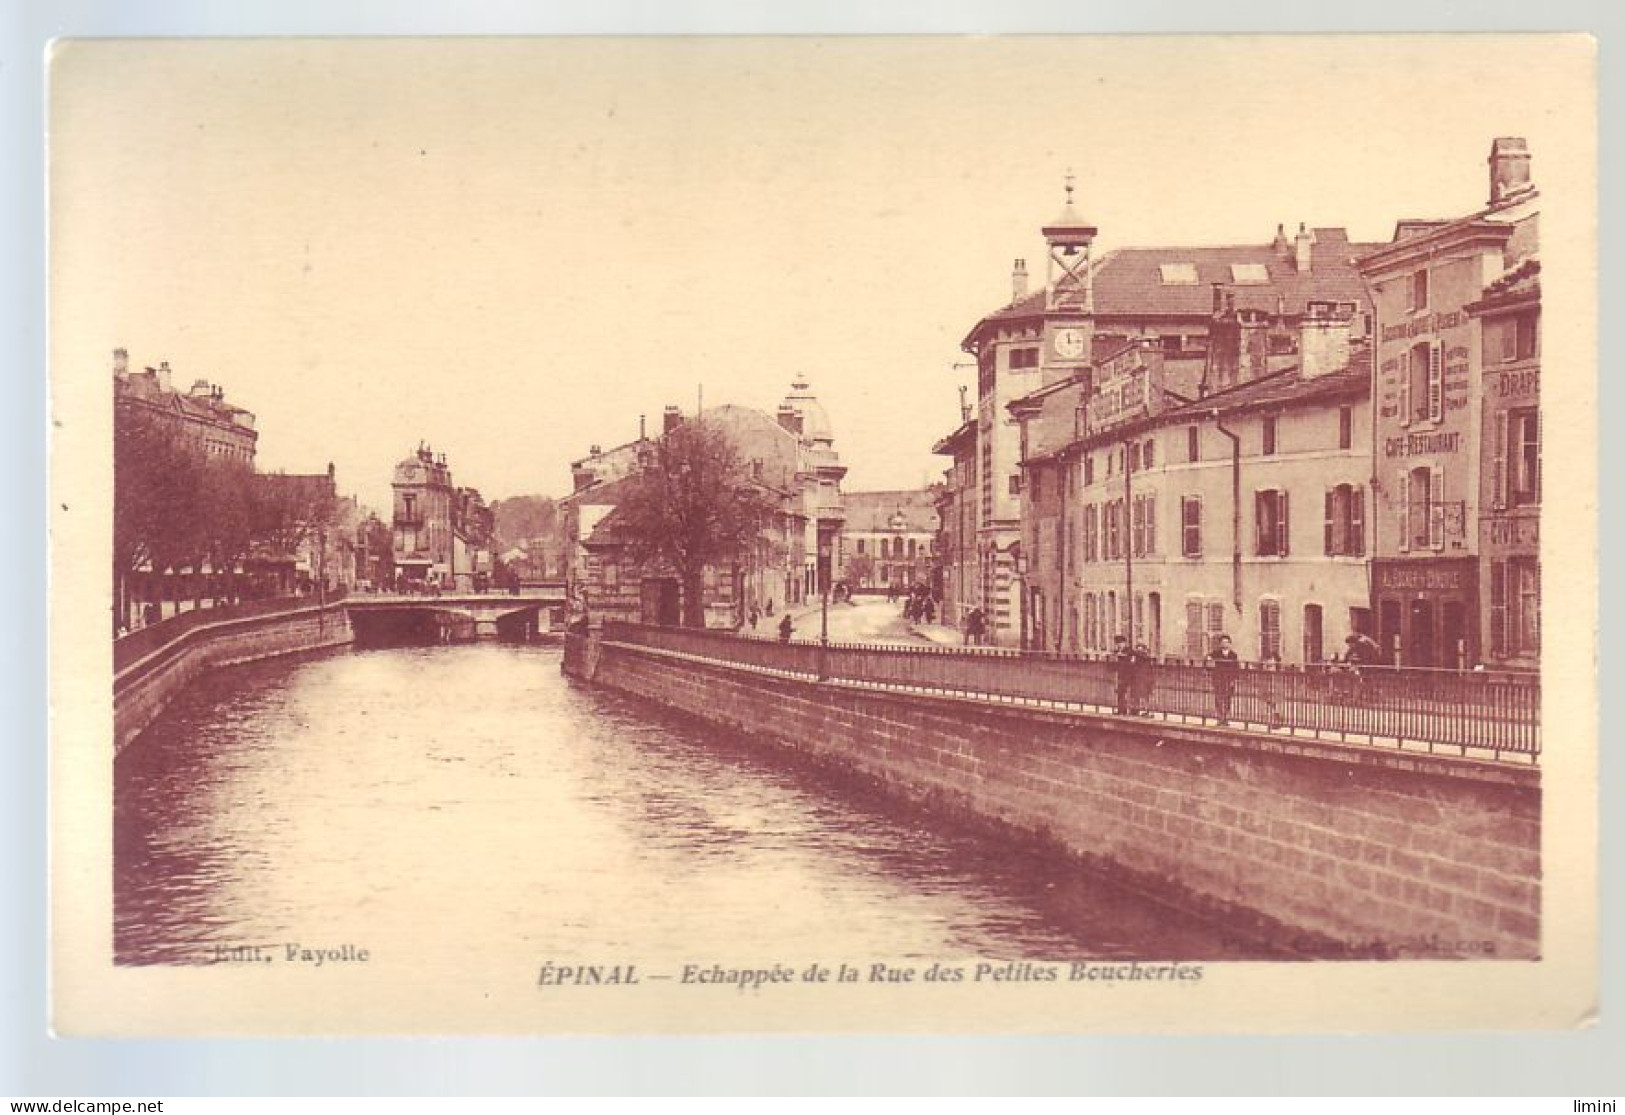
1456,576
789,457
889,540
1185,510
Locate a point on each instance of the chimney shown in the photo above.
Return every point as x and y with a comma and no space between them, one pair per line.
1254,345
1323,341
672,419
790,418
163,375
643,432
964,403
1509,167
1218,299
121,361
595,450
1018,281
1302,243
1280,245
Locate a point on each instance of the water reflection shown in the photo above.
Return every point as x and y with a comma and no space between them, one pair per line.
433,798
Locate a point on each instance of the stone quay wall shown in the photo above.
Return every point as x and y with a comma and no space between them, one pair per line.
1317,849
142,689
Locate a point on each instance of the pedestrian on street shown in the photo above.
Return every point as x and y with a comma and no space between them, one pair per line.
785,628
975,627
1123,668
1225,667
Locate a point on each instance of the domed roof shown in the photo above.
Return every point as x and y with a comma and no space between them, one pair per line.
1069,220
815,424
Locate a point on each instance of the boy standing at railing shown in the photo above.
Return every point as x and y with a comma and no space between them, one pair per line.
1225,667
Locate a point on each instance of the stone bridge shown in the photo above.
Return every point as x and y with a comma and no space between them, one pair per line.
458,617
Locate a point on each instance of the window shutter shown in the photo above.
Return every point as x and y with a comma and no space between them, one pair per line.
1503,465
1269,629
1436,506
1195,644
1283,526
1259,537
1539,441
1331,511
1357,521
1436,382
1150,523
1403,490
1405,387
1215,625
1498,608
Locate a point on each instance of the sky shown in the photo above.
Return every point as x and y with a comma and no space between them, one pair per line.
512,249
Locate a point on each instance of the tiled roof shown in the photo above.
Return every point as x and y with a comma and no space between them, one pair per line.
1128,282
964,430
871,512
1517,284
1284,388
1277,390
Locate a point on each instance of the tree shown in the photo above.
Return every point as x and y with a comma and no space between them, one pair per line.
158,480
692,505
522,518
289,510
860,569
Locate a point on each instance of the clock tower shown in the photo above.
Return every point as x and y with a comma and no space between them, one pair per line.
1070,300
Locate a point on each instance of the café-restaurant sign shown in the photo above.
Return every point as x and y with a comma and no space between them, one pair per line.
1127,386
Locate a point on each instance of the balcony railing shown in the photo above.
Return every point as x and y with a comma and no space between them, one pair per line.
1477,714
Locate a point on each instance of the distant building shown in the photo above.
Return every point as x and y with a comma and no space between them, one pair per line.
200,415
789,456
889,540
424,552
1456,575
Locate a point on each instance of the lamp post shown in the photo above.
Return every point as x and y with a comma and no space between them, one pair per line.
823,636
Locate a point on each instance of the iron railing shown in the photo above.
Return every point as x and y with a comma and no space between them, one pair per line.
1489,715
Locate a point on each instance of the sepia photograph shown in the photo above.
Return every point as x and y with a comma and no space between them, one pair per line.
914,534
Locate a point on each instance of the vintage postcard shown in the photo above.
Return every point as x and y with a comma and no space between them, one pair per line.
942,534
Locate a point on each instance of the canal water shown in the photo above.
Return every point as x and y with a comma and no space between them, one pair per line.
430,798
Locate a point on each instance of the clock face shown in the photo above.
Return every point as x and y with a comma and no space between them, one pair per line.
1069,343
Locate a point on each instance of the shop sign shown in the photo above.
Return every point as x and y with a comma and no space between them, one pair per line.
1128,388
1419,577
1520,531
1421,445
1427,323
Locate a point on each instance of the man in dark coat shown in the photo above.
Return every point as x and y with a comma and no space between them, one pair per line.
1123,660
1225,667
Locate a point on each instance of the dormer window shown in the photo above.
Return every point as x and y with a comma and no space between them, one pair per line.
1178,274
1249,274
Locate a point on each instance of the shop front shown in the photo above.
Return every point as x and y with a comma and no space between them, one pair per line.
1426,611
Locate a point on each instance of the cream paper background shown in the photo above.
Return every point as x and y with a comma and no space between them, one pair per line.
456,994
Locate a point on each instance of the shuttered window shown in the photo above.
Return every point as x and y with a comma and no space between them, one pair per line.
1436,511
1269,630
1190,520
1270,514
1195,637
1314,648
1436,382
1498,609
1345,521
1215,625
